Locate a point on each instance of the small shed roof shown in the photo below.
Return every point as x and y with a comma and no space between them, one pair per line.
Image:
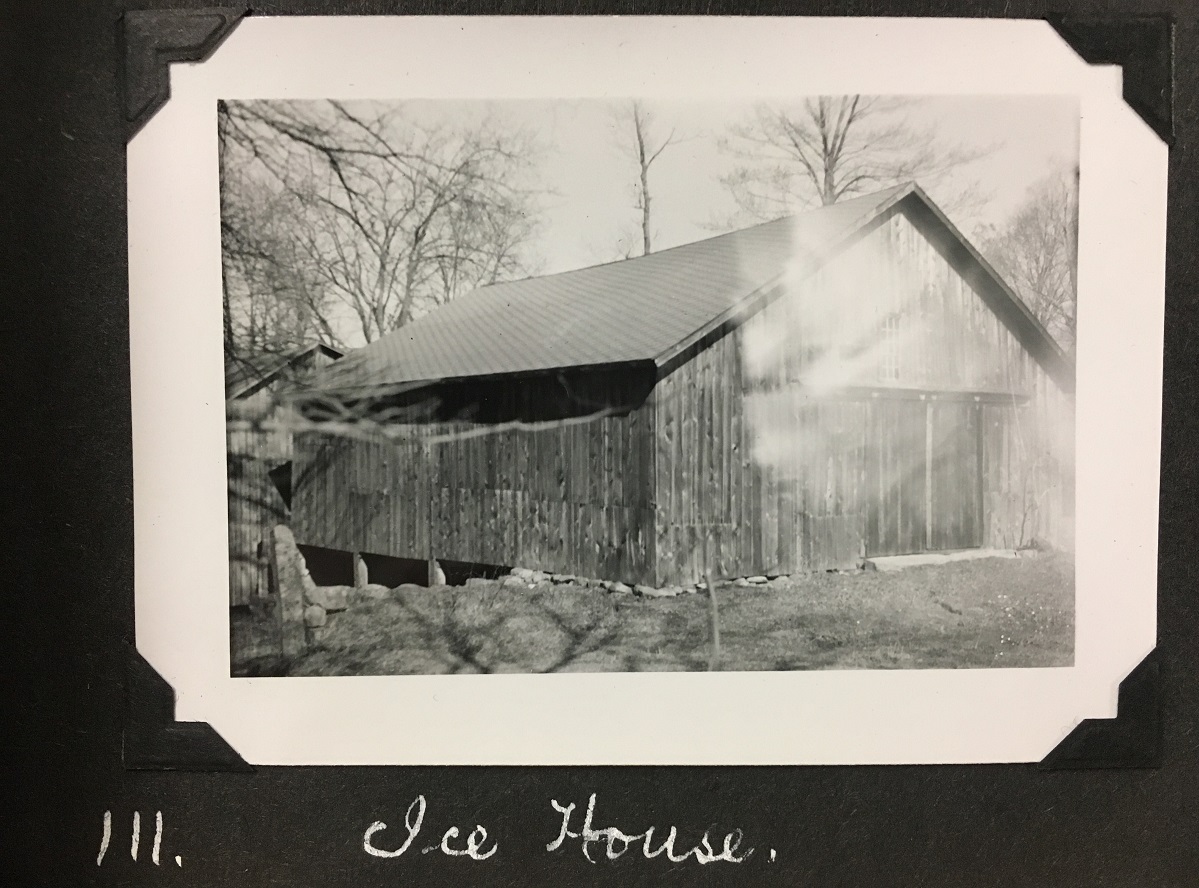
243,377
652,308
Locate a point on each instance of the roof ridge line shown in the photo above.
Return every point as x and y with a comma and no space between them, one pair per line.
702,240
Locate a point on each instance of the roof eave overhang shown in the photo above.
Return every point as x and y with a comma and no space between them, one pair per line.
374,391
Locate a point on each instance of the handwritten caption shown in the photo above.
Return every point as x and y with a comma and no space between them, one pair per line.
594,843
135,839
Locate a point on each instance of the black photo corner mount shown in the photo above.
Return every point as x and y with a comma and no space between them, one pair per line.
154,741
1133,739
151,39
1144,47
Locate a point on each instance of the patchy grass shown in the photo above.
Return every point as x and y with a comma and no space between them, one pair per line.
986,613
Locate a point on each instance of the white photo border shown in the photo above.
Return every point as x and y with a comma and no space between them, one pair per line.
833,717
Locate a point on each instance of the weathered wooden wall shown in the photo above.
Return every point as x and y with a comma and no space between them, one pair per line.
255,505
1028,470
880,407
257,440
753,481
889,311
570,496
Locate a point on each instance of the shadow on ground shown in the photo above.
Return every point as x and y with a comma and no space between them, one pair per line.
987,613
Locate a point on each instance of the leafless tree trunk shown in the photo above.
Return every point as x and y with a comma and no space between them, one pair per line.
646,150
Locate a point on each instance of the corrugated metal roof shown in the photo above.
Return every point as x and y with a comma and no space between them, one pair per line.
631,310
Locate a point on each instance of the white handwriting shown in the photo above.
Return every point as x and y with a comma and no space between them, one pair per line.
413,821
616,842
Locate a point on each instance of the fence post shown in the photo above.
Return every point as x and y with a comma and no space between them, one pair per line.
361,574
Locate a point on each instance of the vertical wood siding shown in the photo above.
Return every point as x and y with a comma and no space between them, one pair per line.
832,436
569,498
880,407
255,505
257,439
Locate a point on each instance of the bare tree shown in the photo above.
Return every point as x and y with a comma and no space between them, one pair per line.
1036,252
829,148
380,216
273,301
645,149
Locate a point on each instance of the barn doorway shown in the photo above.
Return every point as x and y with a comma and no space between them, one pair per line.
923,476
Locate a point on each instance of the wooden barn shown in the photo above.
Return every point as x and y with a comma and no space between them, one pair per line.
852,381
258,447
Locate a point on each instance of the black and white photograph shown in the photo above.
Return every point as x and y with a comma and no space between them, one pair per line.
631,385
774,375
595,444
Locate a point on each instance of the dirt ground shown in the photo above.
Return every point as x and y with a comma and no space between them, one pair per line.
992,612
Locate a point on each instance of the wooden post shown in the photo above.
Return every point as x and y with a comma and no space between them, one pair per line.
714,624
361,574
979,488
928,476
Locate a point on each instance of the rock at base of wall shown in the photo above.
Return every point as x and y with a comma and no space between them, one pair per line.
757,581
653,592
409,588
315,616
375,590
514,582
741,582
523,572
473,582
619,589
331,598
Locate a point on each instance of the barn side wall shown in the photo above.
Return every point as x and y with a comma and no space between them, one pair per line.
737,498
880,407
570,496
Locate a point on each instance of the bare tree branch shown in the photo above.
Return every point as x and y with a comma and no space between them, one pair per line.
1036,251
344,221
828,149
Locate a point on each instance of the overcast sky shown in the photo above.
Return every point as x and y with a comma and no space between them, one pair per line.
591,175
